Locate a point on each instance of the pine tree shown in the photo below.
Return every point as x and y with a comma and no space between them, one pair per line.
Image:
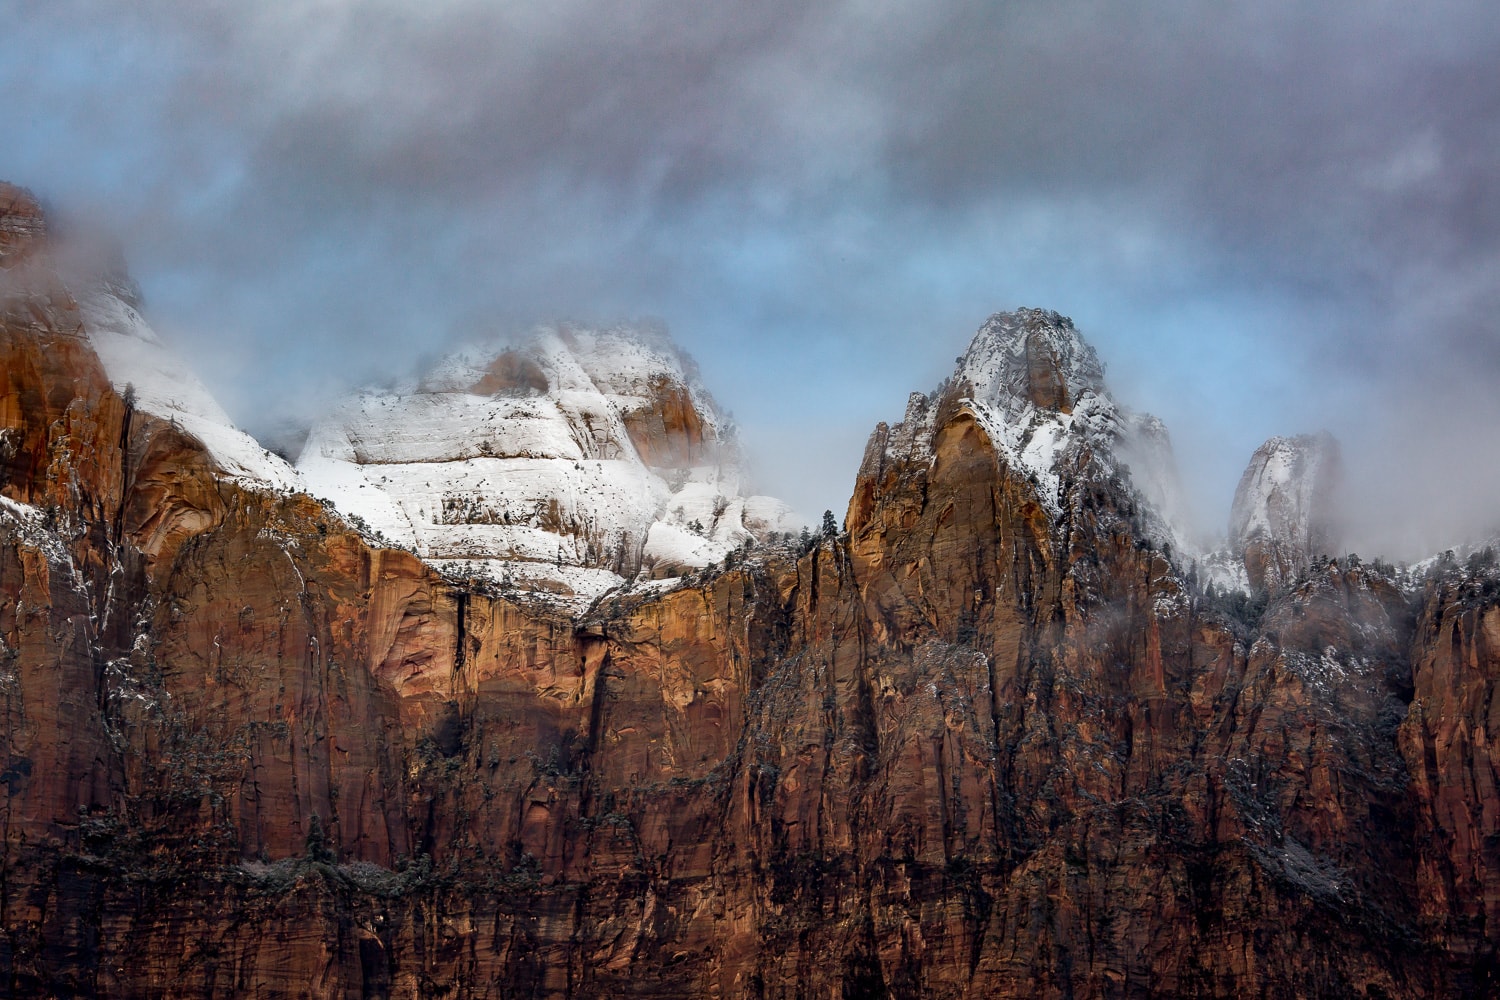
830,526
317,844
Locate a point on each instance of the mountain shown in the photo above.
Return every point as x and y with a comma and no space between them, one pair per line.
563,464
1283,508
991,740
1036,389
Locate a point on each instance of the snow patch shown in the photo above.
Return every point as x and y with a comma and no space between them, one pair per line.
29,525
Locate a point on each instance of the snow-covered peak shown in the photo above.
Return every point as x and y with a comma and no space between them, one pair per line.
36,261
1280,517
136,360
1031,359
565,462
1037,389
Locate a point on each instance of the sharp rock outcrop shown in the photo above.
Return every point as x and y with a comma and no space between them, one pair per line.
1035,389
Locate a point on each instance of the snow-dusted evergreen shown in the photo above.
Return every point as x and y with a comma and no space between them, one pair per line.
566,463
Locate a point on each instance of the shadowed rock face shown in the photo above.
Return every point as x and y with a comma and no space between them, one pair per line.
989,743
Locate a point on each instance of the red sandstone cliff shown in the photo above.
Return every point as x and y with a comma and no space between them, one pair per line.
990,742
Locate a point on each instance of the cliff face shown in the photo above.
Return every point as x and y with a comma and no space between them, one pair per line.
989,742
1445,740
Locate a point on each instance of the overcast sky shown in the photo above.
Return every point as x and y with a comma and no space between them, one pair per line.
1268,217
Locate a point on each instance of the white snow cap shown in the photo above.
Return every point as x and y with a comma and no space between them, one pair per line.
564,463
1031,358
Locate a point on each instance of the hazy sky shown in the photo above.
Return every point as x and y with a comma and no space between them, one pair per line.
1269,217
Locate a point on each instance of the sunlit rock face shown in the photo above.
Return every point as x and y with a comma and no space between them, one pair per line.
993,740
1283,508
567,462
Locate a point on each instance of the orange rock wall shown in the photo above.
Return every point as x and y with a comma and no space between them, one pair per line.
965,750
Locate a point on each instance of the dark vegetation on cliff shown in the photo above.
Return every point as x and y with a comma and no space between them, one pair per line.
982,742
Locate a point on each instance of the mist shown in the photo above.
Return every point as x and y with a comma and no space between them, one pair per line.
1269,218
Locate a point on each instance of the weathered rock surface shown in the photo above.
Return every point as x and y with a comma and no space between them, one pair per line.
1446,742
989,742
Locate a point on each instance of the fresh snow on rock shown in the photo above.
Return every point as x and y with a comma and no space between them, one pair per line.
529,475
166,387
566,463
29,525
1223,570
999,364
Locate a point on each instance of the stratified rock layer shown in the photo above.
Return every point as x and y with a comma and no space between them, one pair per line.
568,462
988,743
22,225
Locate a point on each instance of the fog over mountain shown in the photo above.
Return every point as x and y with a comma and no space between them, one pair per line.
1269,218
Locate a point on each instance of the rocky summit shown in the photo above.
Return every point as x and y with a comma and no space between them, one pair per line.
562,464
1002,736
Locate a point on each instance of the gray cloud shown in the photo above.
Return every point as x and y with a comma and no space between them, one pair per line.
1268,216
